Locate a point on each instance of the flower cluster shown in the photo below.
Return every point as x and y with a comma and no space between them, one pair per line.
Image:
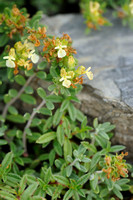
22,55
55,50
37,35
58,48
13,21
92,12
115,166
126,13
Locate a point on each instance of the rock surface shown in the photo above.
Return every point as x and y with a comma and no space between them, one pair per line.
110,53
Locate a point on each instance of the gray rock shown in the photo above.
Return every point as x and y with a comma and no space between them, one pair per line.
110,53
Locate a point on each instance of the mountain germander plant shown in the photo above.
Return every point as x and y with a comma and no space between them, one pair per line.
52,152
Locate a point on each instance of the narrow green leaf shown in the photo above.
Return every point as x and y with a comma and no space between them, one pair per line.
45,111
117,148
95,160
83,179
47,137
61,179
13,92
64,105
57,117
54,98
60,134
68,194
16,118
12,110
28,99
29,191
67,148
72,111
41,92
20,79
7,160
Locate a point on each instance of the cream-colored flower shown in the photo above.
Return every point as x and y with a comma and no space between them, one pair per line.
64,77
66,83
61,52
89,73
10,61
131,7
33,56
94,7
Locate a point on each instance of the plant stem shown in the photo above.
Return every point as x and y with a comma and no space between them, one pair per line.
29,123
18,95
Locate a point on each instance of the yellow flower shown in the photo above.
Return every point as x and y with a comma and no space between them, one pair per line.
12,52
81,70
19,46
70,74
94,7
65,76
21,62
89,73
131,7
71,62
61,52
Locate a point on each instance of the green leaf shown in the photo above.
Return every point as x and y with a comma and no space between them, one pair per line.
67,148
16,118
45,111
3,142
57,192
52,157
20,79
12,110
60,135
68,194
117,193
29,191
79,115
57,117
3,40
47,137
64,105
117,148
42,65
42,75
104,192
29,90
57,147
6,195
49,105
95,160
41,92
48,175
68,170
13,92
61,179
7,160
72,111
7,98
83,179
19,161
28,99
54,98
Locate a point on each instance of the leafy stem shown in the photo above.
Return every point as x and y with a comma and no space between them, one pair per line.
18,95
29,123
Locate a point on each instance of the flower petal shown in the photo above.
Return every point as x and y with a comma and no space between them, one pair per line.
66,83
61,53
10,63
34,58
